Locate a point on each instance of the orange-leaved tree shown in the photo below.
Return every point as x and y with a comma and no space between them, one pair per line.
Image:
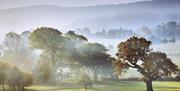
136,53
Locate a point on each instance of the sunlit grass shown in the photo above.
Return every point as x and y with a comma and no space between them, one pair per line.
80,89
113,86
167,86
40,88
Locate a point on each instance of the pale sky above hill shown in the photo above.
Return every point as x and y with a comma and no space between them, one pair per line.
4,4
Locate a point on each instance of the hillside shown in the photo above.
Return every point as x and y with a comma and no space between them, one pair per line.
132,15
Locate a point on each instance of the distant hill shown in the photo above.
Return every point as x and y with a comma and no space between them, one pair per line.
132,15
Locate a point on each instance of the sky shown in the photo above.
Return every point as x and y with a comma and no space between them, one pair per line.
4,4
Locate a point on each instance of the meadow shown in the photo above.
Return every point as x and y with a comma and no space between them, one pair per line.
110,86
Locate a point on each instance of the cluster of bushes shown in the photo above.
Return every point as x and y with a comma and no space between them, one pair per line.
13,77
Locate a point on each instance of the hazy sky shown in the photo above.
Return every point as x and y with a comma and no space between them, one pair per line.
63,3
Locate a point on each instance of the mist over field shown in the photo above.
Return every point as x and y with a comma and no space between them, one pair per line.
64,45
131,16
139,18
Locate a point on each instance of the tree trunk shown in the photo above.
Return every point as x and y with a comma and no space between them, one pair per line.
149,85
95,74
53,75
85,88
22,87
2,85
3,89
53,69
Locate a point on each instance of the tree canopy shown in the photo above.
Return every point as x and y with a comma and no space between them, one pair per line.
136,53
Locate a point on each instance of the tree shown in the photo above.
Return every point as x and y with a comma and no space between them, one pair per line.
11,42
43,70
95,57
72,42
50,41
167,30
85,80
71,35
11,50
177,78
14,77
69,55
27,80
16,49
136,53
17,79
47,39
3,68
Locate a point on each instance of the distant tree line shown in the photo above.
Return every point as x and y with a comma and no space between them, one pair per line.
162,33
106,34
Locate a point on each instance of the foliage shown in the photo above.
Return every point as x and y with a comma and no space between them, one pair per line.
47,39
3,69
17,79
72,42
16,50
27,79
93,54
136,53
85,80
71,35
58,49
43,71
95,57
13,77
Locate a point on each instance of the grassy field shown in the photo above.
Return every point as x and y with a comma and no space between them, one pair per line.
110,86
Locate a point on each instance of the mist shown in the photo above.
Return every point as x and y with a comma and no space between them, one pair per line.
114,45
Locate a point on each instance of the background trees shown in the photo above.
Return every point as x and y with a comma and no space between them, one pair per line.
43,70
95,57
57,49
17,79
47,39
72,42
3,69
136,53
50,41
14,77
15,49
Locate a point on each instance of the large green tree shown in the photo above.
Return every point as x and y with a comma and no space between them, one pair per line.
48,39
71,55
136,53
95,57
43,70
72,42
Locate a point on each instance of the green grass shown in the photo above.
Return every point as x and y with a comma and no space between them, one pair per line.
110,86
40,88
